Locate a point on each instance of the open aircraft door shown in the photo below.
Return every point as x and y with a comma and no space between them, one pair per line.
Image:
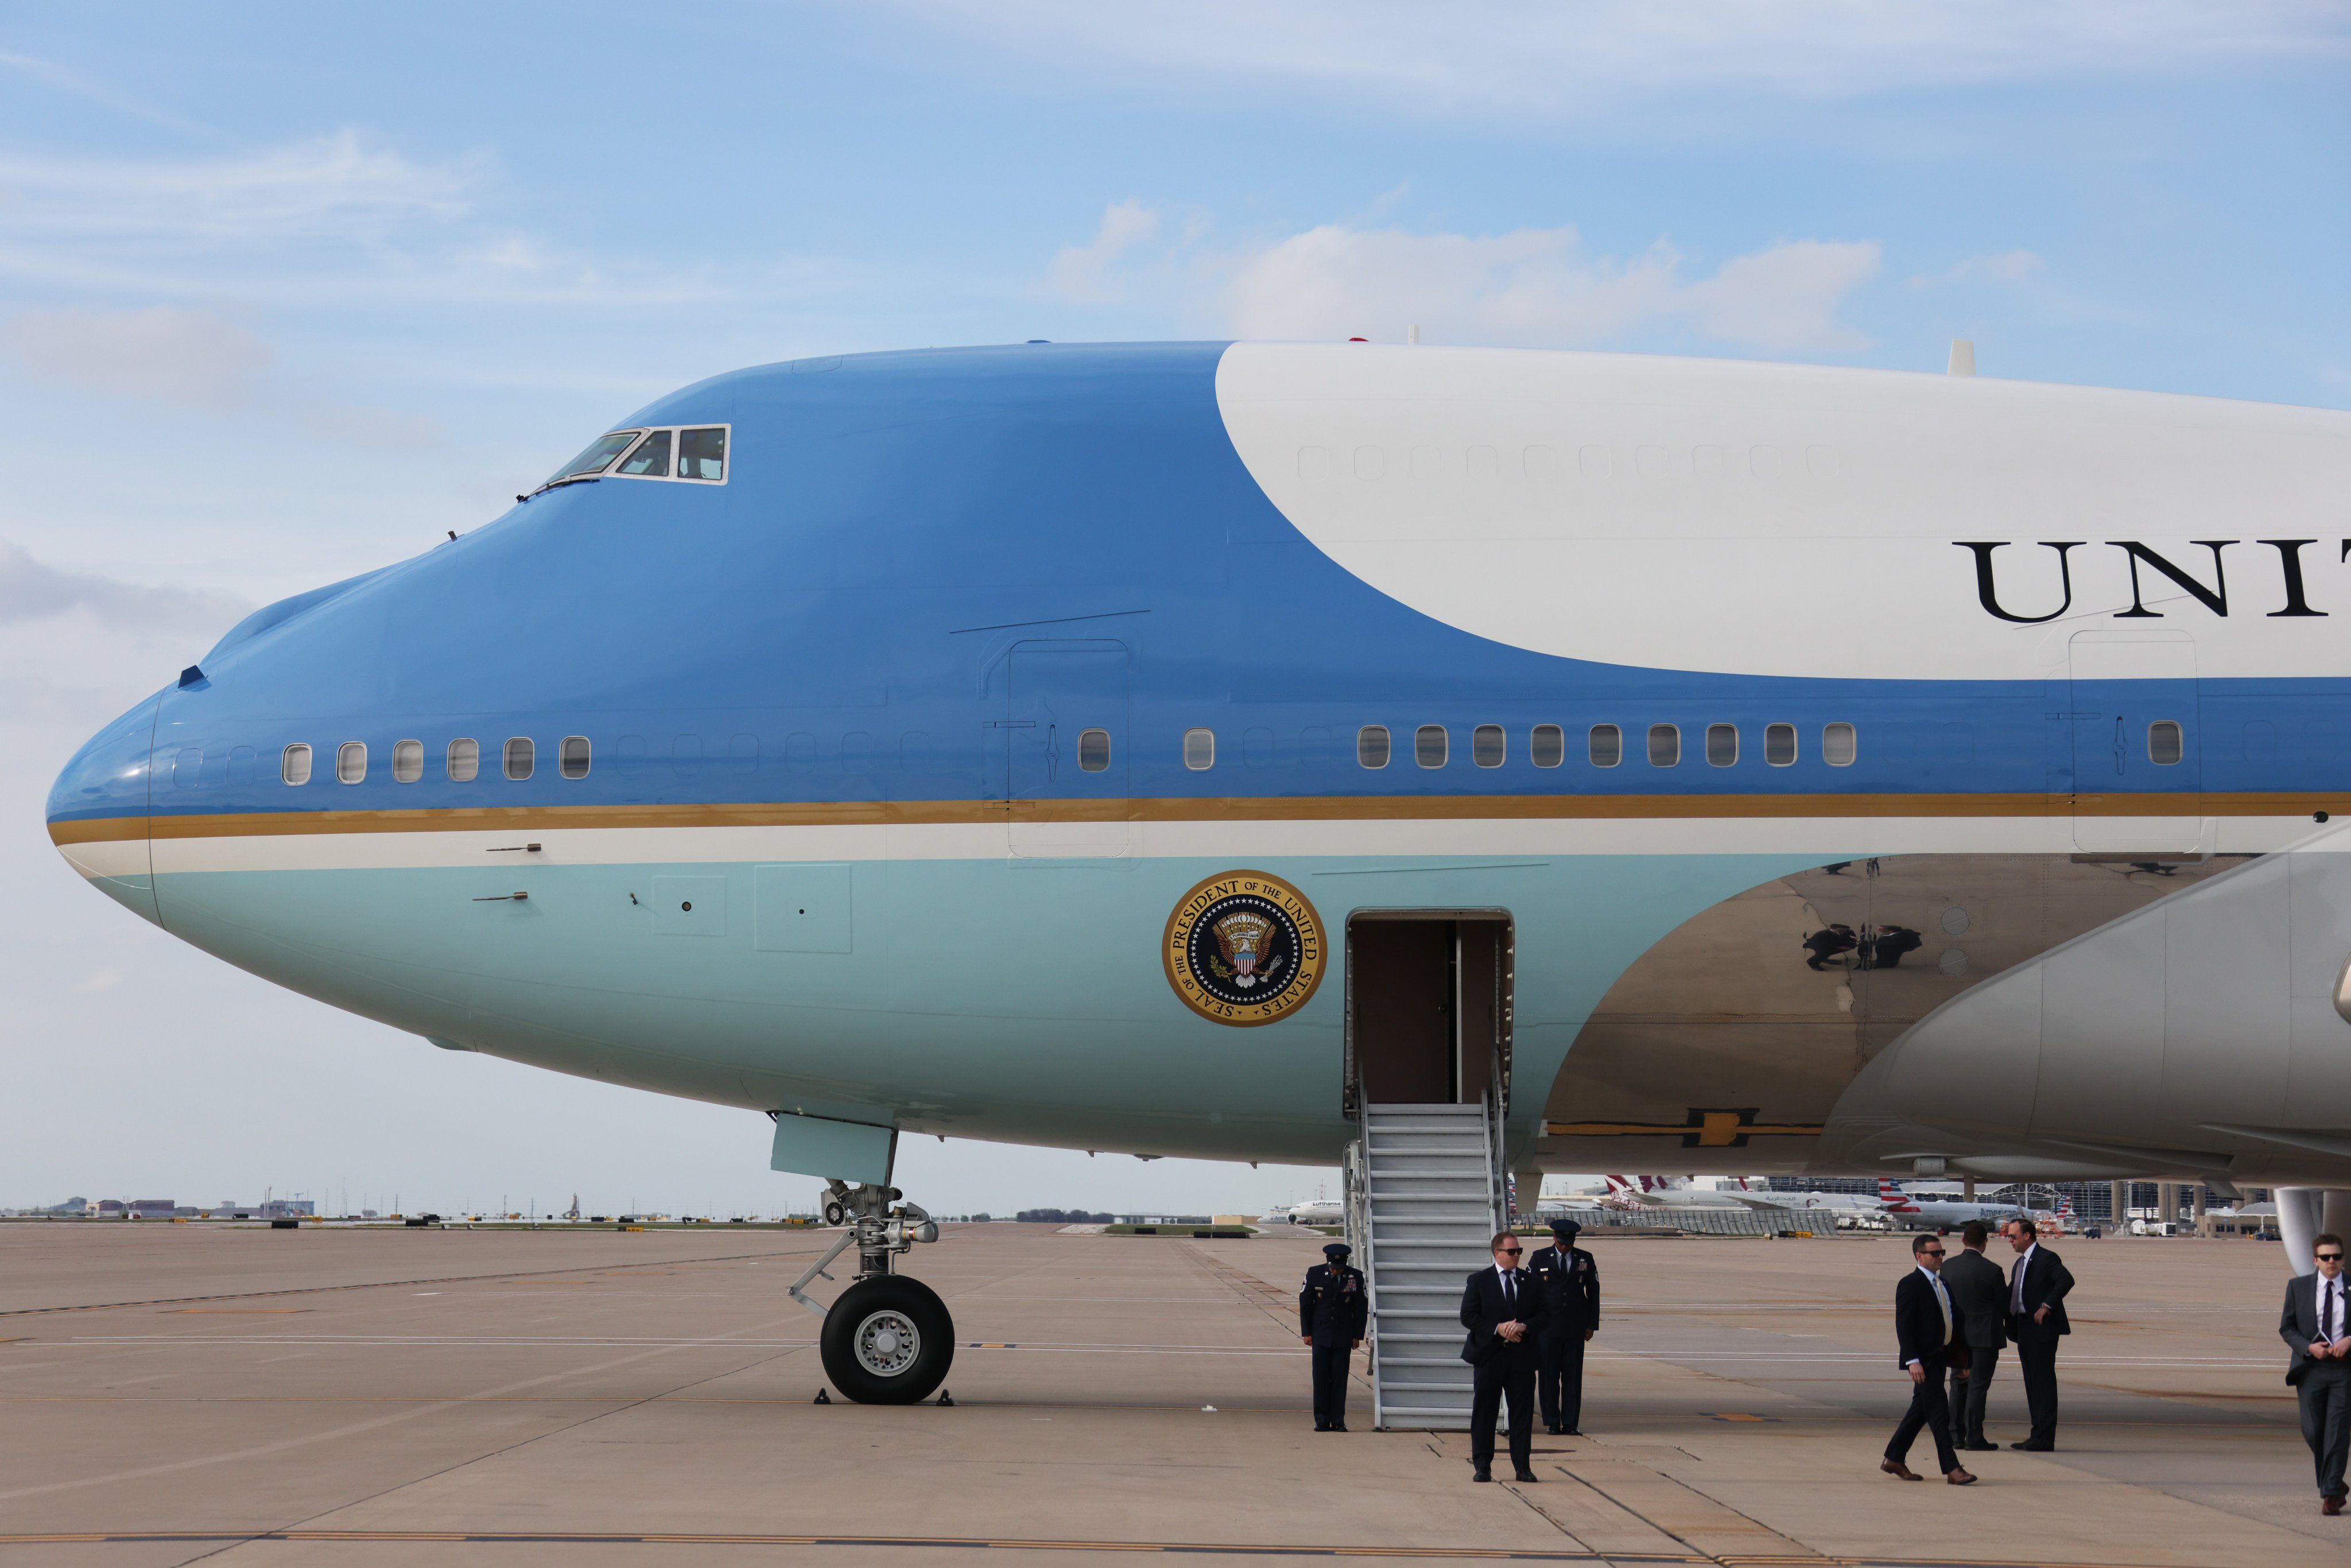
1066,751
2138,776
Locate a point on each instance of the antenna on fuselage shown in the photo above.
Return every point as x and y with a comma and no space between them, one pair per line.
1963,358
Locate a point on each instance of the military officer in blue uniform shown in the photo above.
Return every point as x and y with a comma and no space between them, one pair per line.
1331,1310
1570,1286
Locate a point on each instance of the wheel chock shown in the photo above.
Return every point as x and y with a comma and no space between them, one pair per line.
822,1397
945,1399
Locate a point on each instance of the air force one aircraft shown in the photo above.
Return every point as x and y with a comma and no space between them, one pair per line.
1189,748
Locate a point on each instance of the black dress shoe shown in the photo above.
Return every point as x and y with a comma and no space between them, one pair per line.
1481,1475
1570,1431
1525,1475
1321,1426
2029,1447
1981,1447
1338,1425
1556,1431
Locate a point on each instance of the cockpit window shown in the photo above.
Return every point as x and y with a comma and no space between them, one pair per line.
651,459
702,453
598,457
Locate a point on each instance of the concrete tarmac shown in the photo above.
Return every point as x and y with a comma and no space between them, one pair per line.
171,1394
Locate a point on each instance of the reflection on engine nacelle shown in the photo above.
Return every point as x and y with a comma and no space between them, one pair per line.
1990,1012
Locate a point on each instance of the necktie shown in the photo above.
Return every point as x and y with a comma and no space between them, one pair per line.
2325,1310
1509,1289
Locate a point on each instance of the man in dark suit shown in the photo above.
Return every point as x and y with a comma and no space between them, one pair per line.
2313,1327
1980,1291
2037,1285
1569,1279
1332,1307
1502,1308
1928,1330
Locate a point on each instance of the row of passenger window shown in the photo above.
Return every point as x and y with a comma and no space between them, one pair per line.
1431,747
461,764
1489,746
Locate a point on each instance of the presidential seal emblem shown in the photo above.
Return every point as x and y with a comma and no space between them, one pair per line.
1244,948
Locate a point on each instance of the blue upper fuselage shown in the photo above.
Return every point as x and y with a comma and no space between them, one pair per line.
826,626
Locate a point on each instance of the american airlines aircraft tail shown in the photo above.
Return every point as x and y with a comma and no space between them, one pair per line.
1174,749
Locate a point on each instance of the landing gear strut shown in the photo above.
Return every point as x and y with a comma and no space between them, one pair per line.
888,1339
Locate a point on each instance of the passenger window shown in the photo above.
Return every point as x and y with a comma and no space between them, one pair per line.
2164,747
597,458
1371,746
407,761
1547,745
1721,745
1665,746
1487,746
1428,746
1838,744
520,757
1093,750
294,767
573,760
701,455
651,459
1199,749
463,761
350,762
1607,745
1779,744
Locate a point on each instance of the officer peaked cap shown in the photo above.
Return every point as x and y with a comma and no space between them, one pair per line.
1566,1229
1337,1249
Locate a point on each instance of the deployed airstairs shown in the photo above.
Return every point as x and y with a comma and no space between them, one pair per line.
1426,1193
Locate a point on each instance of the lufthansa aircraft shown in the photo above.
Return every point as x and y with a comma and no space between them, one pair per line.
1175,748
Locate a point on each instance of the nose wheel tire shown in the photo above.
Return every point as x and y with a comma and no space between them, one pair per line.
887,1341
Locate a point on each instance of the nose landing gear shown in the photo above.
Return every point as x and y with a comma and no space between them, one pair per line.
888,1339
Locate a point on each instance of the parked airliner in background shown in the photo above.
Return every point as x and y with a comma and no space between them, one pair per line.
1909,1209
1655,1192
1174,749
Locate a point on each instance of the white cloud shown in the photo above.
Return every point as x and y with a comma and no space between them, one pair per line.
335,186
1082,272
74,84
336,220
2004,266
1539,287
32,591
190,356
1496,55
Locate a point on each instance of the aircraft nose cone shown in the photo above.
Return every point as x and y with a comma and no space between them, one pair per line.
98,811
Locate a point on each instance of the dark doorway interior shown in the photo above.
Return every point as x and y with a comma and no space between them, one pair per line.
1428,1006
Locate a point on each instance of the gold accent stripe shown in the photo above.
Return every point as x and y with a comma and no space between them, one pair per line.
1673,1129
844,1538
1219,808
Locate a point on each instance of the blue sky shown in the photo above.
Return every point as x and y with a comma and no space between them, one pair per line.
288,291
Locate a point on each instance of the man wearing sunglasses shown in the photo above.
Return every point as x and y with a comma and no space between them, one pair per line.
1502,1308
1928,1329
2314,1328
